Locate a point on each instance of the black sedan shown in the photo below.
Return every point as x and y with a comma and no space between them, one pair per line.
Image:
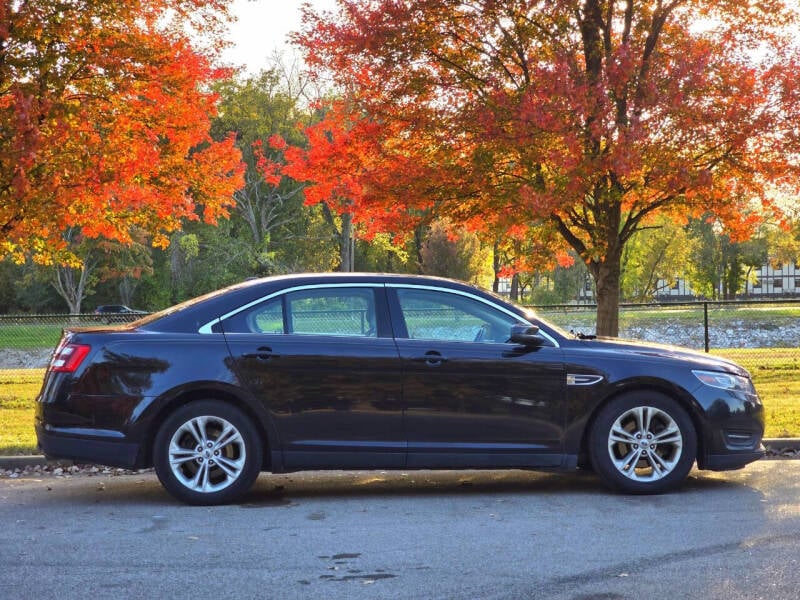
362,371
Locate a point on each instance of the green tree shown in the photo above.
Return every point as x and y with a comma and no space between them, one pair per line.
257,108
719,264
451,251
655,254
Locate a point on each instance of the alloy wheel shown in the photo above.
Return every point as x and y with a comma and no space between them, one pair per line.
645,444
207,454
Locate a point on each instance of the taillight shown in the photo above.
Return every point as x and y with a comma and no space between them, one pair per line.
68,357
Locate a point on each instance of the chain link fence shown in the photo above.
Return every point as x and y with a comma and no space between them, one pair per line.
698,325
762,337
748,332
719,327
26,341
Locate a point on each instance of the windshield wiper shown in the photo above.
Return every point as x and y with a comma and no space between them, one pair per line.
583,336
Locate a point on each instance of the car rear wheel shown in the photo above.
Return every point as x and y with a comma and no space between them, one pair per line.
643,443
207,452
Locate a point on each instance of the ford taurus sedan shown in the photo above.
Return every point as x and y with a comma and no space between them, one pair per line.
363,371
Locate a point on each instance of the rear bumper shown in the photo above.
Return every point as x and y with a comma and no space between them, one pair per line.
89,449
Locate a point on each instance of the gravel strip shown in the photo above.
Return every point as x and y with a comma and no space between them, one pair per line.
70,470
65,471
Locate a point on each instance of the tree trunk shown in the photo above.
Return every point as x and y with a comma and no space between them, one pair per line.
419,240
70,283
127,286
606,278
346,244
496,267
515,287
604,261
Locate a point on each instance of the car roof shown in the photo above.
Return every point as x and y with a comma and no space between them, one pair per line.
193,314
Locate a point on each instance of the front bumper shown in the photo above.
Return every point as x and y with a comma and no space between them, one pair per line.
732,461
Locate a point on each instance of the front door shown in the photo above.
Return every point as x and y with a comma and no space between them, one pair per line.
472,398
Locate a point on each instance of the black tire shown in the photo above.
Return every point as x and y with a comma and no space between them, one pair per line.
207,452
643,443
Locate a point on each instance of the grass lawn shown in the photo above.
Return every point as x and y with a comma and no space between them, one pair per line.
776,372
29,336
18,389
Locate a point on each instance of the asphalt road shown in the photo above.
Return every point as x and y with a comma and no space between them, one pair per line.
421,535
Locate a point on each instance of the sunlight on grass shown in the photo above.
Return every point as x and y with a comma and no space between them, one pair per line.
18,390
776,375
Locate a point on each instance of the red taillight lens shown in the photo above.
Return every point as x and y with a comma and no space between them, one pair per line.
68,357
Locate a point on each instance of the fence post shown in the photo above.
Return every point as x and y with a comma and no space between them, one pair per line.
705,323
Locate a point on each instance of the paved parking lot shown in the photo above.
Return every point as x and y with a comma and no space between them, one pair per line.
494,534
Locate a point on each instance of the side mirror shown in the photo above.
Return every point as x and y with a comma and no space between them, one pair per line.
527,335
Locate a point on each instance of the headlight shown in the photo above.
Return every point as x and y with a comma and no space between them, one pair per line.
726,381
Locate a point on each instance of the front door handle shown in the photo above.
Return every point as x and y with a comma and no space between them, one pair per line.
432,358
263,353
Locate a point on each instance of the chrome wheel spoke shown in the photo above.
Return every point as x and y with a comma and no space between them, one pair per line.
645,419
671,435
197,429
232,468
628,462
622,436
228,436
661,465
179,455
200,481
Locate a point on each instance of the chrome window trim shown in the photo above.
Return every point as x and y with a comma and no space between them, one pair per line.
466,294
206,329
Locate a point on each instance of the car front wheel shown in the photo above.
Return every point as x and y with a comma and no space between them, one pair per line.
207,452
643,443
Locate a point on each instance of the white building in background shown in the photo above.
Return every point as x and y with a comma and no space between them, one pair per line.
780,280
767,281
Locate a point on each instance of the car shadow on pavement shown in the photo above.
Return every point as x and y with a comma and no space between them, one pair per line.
282,489
285,489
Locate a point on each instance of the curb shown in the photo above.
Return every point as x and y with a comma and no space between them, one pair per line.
774,445
782,444
33,460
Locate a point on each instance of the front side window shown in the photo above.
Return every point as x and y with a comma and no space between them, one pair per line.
438,315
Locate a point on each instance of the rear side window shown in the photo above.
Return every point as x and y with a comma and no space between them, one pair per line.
266,317
317,311
339,311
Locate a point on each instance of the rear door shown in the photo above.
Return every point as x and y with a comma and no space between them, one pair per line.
322,361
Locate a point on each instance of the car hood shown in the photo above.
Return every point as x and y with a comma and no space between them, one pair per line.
648,350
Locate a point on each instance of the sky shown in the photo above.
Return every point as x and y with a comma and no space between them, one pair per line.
262,27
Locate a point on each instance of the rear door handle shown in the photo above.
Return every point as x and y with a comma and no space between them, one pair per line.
263,353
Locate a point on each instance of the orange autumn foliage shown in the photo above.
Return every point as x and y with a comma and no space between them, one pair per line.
105,113
347,161
585,118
